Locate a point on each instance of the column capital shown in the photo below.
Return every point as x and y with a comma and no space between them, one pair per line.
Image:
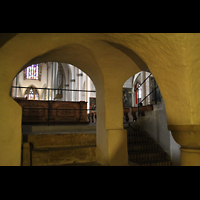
188,136
195,128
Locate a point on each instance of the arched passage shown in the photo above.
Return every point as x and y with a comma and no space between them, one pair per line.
102,61
55,84
75,54
109,123
109,66
149,118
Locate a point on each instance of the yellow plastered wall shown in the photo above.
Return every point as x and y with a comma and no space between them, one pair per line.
109,59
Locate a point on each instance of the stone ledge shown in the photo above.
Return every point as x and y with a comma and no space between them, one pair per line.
190,150
188,136
194,128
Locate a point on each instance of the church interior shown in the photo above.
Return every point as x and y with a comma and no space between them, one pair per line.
99,99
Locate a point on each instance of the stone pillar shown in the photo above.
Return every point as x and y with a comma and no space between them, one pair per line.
10,128
73,80
117,147
112,147
190,157
111,137
188,136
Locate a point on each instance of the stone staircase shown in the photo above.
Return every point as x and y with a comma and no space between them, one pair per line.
143,150
73,146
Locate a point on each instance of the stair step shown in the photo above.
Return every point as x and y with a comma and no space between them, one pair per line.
151,163
164,162
131,133
140,140
57,148
143,147
146,156
47,149
57,128
71,139
62,155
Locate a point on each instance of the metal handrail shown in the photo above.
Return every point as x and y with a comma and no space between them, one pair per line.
49,108
146,97
55,89
149,95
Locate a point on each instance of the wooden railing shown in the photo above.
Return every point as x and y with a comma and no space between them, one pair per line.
134,112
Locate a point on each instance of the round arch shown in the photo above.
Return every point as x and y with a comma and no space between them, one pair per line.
100,56
78,55
75,54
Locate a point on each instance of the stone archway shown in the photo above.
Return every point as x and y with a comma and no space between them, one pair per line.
100,60
79,58
108,59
